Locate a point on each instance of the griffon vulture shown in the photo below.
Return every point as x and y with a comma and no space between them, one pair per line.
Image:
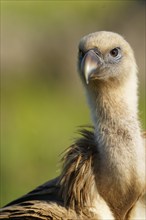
103,174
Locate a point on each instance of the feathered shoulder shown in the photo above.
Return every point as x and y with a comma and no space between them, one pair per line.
70,194
77,177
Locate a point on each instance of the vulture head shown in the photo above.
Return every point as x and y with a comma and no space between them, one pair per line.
107,65
105,56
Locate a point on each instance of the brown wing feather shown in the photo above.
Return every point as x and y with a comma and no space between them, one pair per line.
77,177
46,192
66,197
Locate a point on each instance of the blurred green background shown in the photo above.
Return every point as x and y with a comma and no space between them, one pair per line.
42,100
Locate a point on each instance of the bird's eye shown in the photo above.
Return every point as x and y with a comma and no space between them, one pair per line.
114,52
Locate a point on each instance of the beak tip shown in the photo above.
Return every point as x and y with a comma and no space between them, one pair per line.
87,82
86,74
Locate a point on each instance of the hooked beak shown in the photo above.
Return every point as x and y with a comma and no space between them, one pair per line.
90,65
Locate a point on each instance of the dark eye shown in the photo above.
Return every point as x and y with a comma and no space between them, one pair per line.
114,52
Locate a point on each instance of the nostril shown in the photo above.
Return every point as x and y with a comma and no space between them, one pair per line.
97,51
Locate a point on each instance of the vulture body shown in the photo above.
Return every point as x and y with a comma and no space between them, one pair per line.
103,174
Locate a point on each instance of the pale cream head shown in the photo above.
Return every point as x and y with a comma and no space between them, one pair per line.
112,52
